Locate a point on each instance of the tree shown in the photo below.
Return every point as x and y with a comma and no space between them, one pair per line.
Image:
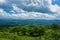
37,31
54,26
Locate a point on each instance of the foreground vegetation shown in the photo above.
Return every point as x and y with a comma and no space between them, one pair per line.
30,32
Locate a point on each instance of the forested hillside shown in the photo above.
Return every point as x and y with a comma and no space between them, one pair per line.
30,32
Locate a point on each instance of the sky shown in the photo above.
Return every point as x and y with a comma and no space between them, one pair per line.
30,9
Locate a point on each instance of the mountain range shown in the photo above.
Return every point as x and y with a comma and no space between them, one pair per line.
27,21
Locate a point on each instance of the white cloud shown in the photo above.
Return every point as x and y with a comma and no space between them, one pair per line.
34,15
30,4
3,14
55,8
31,15
36,3
2,1
18,10
26,15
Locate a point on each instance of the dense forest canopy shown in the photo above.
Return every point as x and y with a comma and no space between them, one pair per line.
28,32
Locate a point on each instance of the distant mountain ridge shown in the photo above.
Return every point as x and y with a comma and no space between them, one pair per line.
27,21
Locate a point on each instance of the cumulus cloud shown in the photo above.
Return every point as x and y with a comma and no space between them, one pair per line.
30,15
34,15
55,8
26,15
30,9
18,10
29,5
2,1
3,13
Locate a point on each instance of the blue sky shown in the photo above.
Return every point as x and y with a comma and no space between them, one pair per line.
30,9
